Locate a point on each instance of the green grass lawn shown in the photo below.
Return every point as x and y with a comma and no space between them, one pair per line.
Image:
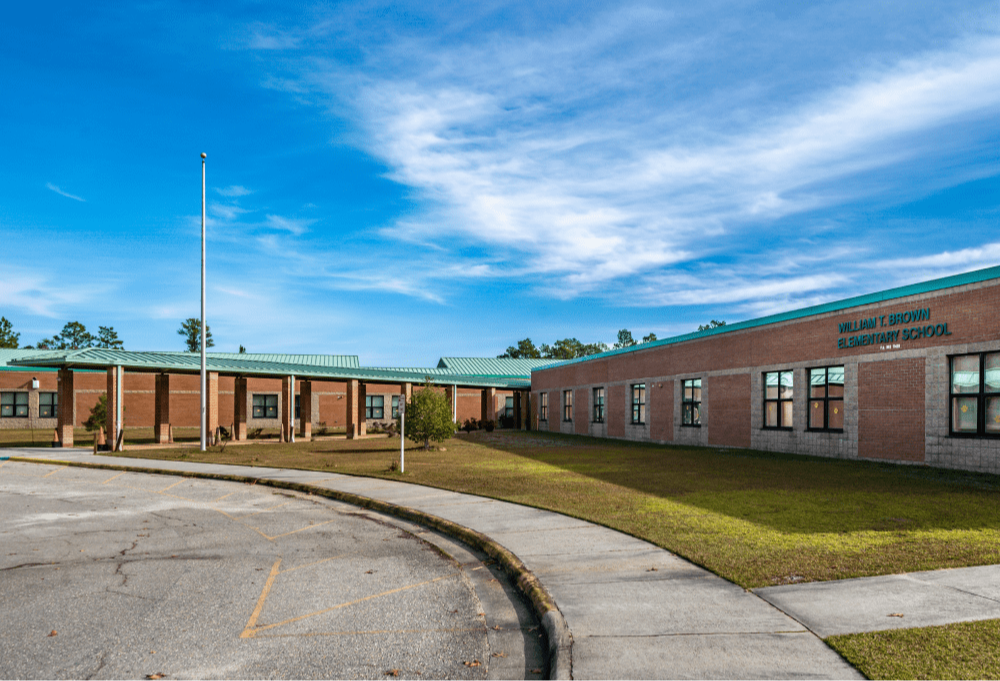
968,650
757,519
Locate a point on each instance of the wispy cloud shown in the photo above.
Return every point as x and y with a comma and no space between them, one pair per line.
60,192
233,191
296,226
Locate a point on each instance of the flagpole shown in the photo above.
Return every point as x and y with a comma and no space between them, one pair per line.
203,373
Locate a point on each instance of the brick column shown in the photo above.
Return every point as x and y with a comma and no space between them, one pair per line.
112,425
240,408
362,421
517,410
489,404
67,408
161,416
287,408
351,409
305,413
406,389
212,404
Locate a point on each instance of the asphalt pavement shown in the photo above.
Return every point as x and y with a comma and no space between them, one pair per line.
637,611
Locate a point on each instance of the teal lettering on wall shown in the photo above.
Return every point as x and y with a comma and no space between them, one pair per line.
890,339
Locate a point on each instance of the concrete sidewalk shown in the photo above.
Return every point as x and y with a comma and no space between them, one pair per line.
638,611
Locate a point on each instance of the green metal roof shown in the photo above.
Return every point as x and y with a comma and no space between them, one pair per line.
244,364
974,277
494,366
284,358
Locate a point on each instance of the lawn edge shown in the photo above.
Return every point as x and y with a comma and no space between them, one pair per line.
558,635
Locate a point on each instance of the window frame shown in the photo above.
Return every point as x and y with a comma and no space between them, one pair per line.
638,392
298,407
508,407
779,401
265,406
599,405
826,399
394,406
567,406
543,406
15,404
371,408
52,406
981,396
694,404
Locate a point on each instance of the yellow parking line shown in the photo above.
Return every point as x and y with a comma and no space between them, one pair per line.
338,607
248,631
215,501
113,477
172,486
307,527
55,471
241,523
373,632
269,508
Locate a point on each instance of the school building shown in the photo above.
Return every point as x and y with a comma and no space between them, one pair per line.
908,375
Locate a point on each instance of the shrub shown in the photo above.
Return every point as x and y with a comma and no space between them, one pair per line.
470,425
428,417
489,425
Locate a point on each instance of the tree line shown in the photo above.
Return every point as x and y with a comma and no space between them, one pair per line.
74,336
571,348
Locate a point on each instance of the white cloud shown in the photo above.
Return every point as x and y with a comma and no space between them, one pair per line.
293,226
233,191
60,192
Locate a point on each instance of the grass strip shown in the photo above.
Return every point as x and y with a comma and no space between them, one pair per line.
967,650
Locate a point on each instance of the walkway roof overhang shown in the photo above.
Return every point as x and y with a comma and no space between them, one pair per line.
233,365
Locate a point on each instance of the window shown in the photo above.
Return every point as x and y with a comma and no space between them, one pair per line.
395,406
265,406
298,407
508,408
543,407
778,399
639,403
48,405
567,405
598,405
374,406
826,398
975,394
691,403
14,405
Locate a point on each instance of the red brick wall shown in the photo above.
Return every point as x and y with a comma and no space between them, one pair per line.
617,408
660,398
728,417
891,410
581,411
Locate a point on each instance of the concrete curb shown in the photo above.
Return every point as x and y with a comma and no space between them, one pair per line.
560,639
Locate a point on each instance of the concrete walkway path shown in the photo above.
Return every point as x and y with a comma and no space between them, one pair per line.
638,611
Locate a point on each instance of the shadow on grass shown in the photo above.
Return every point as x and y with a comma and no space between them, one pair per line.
788,493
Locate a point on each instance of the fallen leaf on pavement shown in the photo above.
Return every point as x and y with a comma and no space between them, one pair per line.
155,676
474,663
392,672
52,633
895,614
499,654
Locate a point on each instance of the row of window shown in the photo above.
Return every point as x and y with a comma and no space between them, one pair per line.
15,405
266,406
974,397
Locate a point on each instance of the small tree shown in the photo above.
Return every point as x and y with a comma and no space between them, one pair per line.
650,338
98,415
714,324
525,350
191,332
107,337
428,417
625,339
8,339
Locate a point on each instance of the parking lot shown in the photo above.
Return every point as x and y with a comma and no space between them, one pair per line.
106,574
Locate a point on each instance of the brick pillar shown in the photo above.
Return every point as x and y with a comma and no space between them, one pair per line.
351,409
161,416
240,408
212,404
287,408
305,413
67,408
406,389
362,421
517,410
489,405
112,425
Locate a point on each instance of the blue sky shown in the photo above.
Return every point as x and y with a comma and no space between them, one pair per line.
403,182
